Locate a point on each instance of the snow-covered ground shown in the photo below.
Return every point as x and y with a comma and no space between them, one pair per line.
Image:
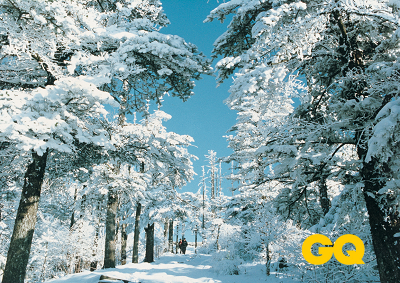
175,268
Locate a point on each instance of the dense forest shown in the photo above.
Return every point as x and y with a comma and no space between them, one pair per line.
90,175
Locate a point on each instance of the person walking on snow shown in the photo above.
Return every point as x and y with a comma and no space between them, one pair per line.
184,245
180,246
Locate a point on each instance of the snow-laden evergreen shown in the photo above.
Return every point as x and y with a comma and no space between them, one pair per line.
64,65
314,89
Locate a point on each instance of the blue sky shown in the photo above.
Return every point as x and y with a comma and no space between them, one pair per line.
204,116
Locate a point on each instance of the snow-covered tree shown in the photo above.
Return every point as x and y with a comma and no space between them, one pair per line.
338,59
55,58
139,62
165,158
212,165
41,121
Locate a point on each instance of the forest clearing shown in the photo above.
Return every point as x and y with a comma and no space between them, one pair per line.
176,268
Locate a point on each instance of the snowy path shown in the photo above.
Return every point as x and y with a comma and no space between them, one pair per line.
173,268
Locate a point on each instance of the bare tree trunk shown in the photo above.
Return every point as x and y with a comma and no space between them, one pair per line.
165,235
24,227
73,209
384,223
149,257
78,259
135,252
110,245
323,195
203,220
204,189
70,257
117,234
219,228
171,236
1,206
195,240
93,264
220,179
177,235
117,225
78,264
124,238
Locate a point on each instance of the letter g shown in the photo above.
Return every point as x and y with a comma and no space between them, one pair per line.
325,252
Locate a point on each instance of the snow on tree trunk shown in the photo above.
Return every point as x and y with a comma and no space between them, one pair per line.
78,258
21,240
171,236
213,172
177,235
268,257
78,264
93,264
149,257
110,245
135,252
217,241
212,185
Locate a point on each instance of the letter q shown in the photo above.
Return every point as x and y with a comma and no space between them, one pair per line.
325,253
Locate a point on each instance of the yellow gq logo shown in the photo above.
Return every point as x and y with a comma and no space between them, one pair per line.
355,257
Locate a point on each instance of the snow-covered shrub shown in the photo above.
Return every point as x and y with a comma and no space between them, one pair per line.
348,215
220,236
226,262
249,230
49,250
